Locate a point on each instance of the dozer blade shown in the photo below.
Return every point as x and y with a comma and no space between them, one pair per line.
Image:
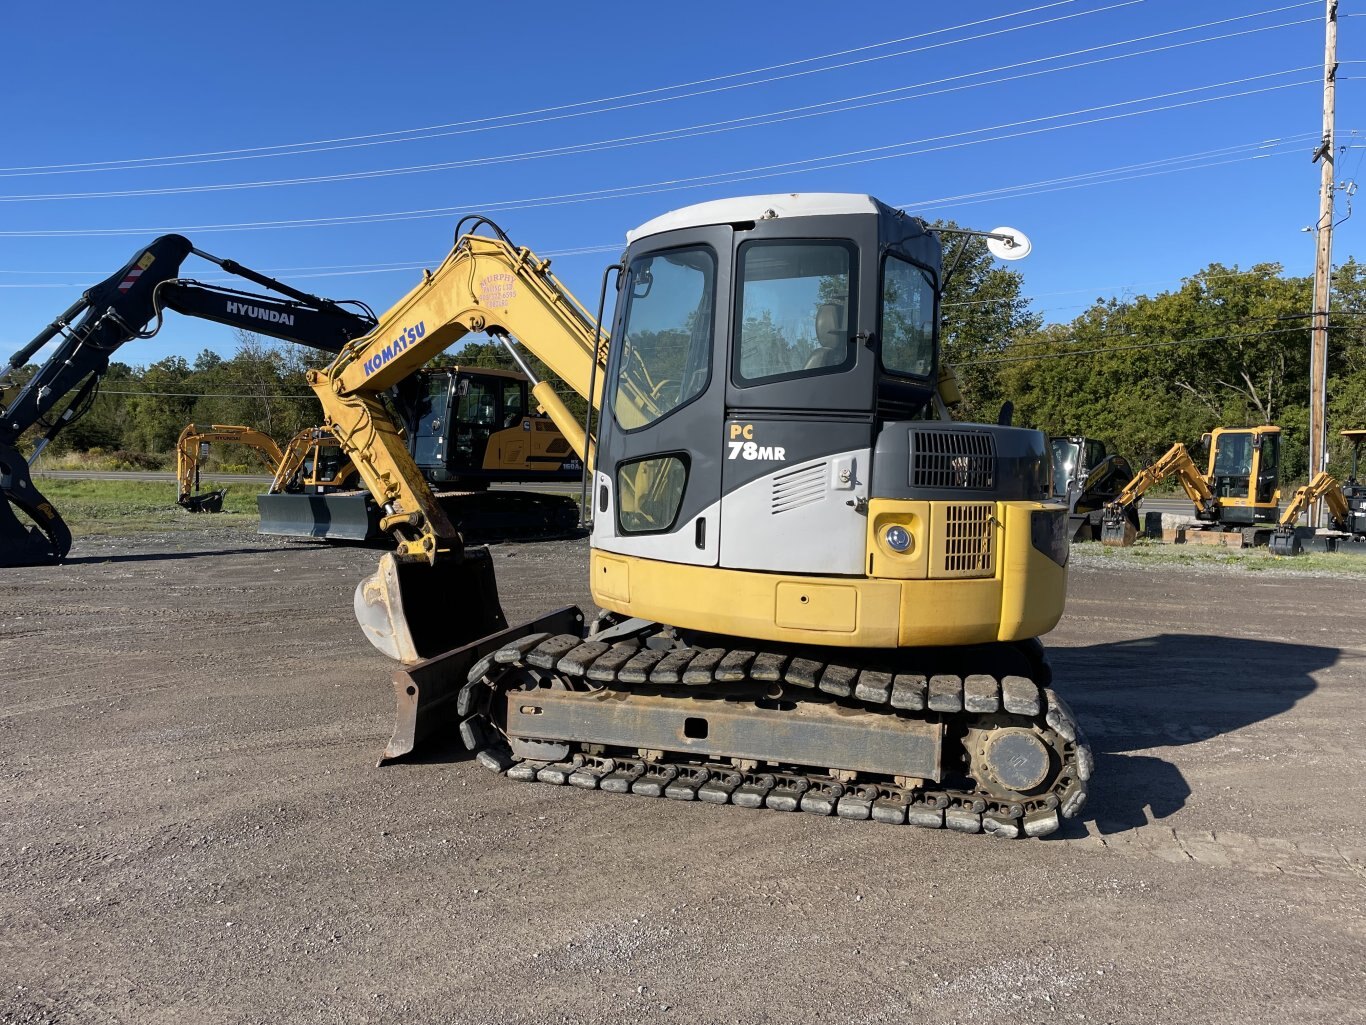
334,517
41,536
413,611
209,502
425,693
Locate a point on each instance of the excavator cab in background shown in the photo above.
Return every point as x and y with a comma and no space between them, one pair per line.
816,595
1240,489
1086,477
466,428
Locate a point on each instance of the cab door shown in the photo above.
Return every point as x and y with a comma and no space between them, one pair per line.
429,421
800,395
657,483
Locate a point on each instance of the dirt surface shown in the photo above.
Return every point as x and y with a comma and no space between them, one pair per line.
192,828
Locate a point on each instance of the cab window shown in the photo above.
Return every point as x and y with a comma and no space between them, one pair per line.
907,318
665,359
795,316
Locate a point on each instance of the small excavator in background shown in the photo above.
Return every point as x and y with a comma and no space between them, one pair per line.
1345,502
1086,477
193,445
88,333
1239,490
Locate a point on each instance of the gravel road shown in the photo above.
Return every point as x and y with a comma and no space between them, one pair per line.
192,828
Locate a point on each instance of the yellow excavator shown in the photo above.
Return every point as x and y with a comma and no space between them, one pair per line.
1345,503
193,446
818,593
1239,490
466,428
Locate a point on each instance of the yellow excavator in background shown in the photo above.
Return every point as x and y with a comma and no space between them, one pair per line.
1345,502
816,595
466,428
193,446
1240,489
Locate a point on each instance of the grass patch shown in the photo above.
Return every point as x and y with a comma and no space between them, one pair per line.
1238,560
130,507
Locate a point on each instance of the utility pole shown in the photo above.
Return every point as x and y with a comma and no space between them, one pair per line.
1323,264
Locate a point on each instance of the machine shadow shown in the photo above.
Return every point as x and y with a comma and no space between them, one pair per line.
84,560
1166,691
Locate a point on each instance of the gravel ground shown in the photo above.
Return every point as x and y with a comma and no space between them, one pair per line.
192,828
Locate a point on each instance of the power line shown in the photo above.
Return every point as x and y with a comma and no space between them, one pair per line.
842,105
854,157
483,124
342,270
203,395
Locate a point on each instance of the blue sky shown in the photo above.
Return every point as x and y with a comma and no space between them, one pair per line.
937,107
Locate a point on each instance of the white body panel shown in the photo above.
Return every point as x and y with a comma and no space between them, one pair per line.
756,208
806,518
678,546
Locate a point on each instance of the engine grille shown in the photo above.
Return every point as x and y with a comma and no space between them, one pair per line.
965,460
969,540
793,489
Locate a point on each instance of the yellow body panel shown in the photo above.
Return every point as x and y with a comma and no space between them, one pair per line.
535,445
1022,597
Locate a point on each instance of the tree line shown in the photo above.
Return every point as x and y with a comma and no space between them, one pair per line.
1227,347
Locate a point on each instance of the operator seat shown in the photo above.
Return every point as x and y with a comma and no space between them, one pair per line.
832,335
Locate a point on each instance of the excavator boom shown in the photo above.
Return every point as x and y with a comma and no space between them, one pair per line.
484,284
86,335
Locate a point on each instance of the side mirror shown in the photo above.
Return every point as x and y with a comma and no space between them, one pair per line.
641,283
1205,439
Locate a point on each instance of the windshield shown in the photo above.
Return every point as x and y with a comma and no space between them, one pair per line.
1064,464
667,334
1234,456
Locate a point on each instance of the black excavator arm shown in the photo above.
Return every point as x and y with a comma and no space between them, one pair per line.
92,329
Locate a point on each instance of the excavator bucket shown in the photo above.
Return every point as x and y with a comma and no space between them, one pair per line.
1119,529
32,532
208,502
1286,541
438,621
413,611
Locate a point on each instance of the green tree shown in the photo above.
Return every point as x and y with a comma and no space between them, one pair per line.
982,311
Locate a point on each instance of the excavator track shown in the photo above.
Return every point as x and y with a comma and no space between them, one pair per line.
1011,759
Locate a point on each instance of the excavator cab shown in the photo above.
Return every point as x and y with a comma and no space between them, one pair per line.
1244,474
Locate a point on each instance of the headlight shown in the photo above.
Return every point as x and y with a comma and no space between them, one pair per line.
1048,532
898,538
